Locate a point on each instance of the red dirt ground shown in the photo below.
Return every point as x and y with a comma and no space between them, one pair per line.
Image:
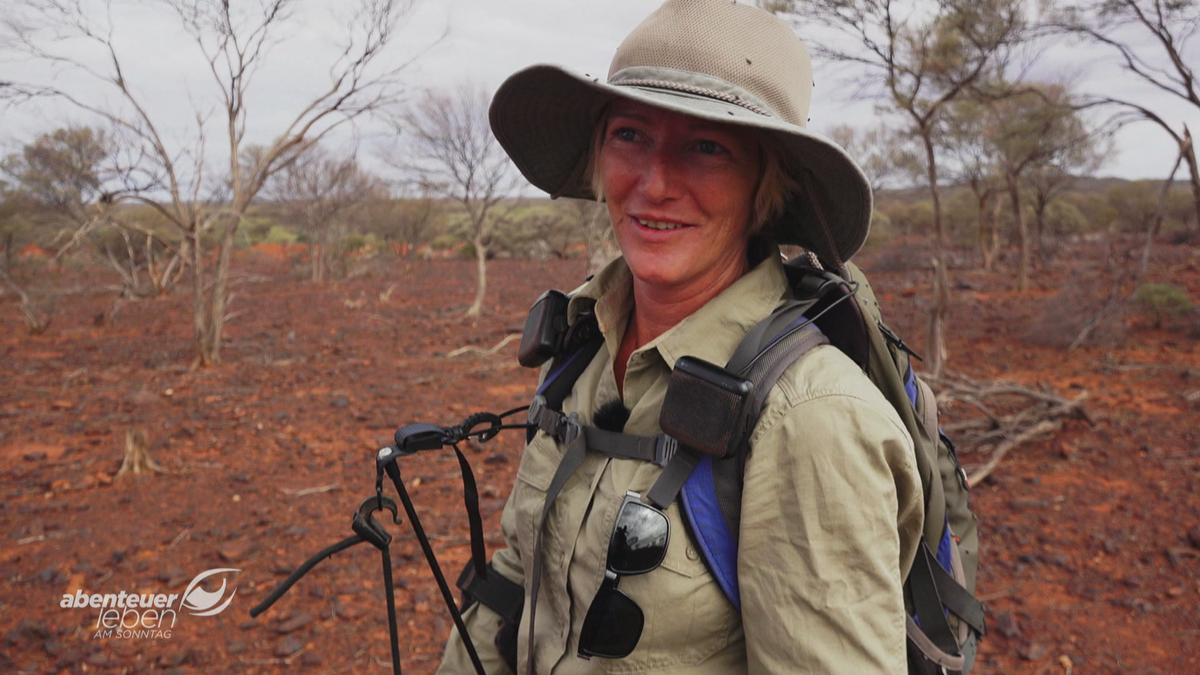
1090,539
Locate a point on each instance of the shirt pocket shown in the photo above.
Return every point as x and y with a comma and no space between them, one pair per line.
534,475
688,618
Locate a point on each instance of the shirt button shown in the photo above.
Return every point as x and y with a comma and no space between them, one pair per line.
691,553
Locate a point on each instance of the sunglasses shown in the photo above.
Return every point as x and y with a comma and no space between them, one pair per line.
614,622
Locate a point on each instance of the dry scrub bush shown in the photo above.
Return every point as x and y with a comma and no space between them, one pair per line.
1164,304
1059,320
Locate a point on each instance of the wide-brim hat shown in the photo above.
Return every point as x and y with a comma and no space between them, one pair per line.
711,59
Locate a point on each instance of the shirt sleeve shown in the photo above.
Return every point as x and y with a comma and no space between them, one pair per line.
830,508
482,623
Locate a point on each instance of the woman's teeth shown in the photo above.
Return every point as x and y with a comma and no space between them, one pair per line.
659,225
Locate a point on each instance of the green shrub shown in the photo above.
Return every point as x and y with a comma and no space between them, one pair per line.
444,242
279,234
354,242
881,230
1162,301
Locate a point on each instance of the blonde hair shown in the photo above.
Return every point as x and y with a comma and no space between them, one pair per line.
775,184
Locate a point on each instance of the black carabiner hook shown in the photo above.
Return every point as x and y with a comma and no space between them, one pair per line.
365,525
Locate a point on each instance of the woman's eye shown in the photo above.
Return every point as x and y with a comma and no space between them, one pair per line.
710,147
625,134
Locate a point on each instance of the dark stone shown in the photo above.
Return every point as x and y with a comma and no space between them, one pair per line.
340,402
1193,536
1034,652
295,622
171,660
196,657
1006,625
235,647
288,646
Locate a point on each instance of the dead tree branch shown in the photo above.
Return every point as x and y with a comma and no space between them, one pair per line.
1008,415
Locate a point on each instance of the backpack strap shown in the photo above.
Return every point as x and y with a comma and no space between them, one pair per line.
711,489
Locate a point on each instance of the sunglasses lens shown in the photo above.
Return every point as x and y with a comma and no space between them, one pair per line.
639,540
613,625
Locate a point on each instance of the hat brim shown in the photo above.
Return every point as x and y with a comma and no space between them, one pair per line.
544,116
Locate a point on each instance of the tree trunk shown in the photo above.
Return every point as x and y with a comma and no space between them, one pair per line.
1039,223
199,316
1014,194
1156,222
315,256
137,459
936,344
481,272
1188,153
994,245
220,291
987,227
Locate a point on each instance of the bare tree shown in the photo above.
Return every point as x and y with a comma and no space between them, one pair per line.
880,150
72,177
1160,212
966,141
1075,154
1030,127
174,179
918,57
317,191
1154,41
447,144
407,218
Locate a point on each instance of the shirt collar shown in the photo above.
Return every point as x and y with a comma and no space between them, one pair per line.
711,333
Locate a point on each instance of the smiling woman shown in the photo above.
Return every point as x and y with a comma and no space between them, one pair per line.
680,195
697,144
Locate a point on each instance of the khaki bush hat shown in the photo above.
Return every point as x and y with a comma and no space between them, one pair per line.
712,59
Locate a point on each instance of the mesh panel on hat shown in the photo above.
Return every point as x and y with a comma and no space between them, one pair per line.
743,45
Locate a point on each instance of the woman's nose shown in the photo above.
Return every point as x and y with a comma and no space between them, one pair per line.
659,179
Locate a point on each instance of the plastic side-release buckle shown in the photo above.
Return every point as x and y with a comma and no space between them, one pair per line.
558,426
665,447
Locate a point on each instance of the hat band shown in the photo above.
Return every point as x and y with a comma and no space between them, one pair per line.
699,84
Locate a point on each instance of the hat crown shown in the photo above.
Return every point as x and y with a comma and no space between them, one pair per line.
744,46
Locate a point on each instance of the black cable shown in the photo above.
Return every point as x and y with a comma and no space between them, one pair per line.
853,290
506,413
301,571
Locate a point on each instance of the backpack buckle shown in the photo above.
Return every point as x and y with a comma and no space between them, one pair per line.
665,447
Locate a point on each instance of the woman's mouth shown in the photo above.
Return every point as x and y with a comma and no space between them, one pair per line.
658,224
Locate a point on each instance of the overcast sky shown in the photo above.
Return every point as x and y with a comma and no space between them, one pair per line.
485,41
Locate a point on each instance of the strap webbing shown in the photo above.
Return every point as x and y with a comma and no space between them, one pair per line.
928,604
959,600
496,592
571,460
656,449
672,478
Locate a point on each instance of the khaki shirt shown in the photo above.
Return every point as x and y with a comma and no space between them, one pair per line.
831,515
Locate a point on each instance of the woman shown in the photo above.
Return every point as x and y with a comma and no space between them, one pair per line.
697,144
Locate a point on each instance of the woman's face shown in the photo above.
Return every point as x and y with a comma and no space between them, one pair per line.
680,193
